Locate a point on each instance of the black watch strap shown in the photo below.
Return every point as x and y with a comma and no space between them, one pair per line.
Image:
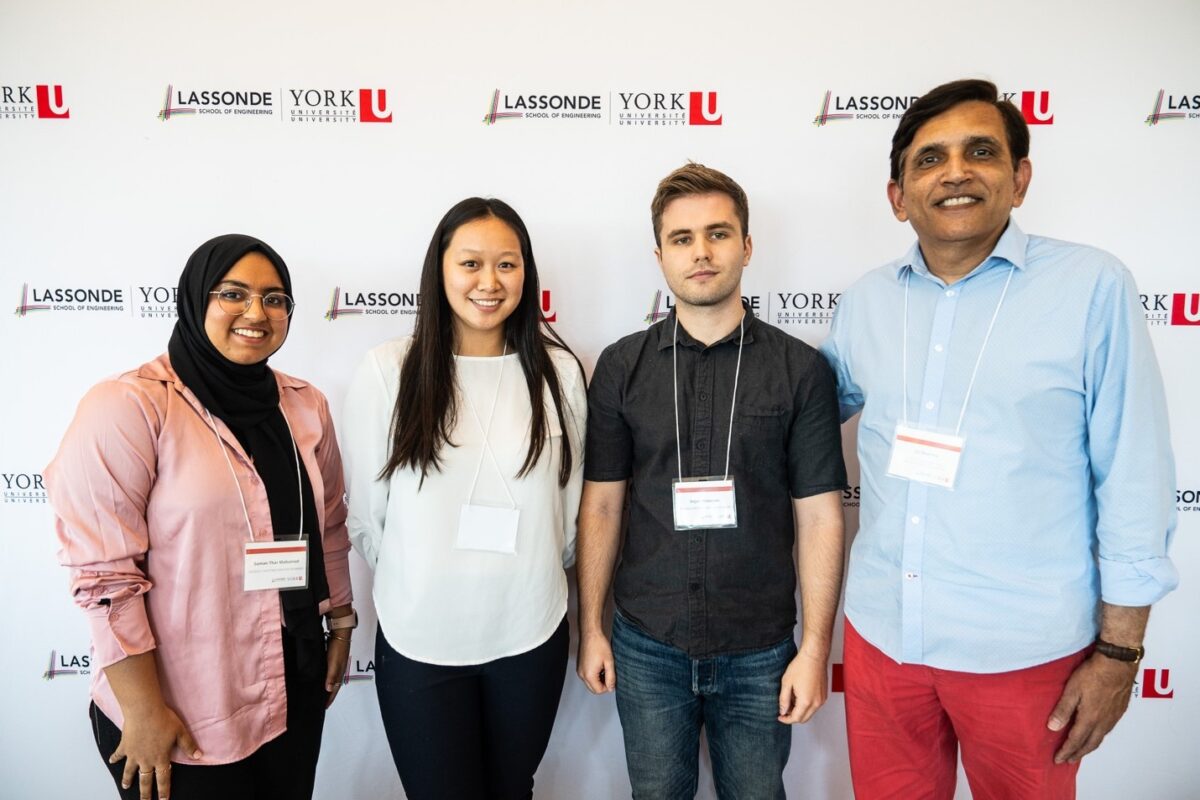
1116,651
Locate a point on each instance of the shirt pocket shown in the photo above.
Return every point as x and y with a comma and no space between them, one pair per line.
759,418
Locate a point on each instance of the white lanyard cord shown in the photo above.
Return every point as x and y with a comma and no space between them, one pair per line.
487,432
978,360
987,336
732,403
241,496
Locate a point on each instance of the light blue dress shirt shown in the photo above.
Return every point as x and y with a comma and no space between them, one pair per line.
1065,491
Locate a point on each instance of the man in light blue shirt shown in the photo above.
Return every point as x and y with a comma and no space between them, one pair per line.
1017,476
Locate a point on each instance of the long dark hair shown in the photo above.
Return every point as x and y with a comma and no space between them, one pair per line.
426,403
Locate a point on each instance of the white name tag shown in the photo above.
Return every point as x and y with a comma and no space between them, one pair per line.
704,503
276,565
487,528
925,456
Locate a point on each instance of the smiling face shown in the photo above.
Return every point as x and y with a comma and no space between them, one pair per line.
483,275
703,250
958,185
249,337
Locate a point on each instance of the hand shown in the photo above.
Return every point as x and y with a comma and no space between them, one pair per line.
336,657
803,689
146,743
1097,694
595,665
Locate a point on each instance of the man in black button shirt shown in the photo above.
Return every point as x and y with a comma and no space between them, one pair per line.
721,483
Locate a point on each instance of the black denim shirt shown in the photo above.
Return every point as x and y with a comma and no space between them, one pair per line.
719,590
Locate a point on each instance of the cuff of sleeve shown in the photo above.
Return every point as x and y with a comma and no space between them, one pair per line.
120,631
1136,583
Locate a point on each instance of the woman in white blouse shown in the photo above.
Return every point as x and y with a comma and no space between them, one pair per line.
464,451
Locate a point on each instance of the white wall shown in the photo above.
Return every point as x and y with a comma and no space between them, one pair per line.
115,198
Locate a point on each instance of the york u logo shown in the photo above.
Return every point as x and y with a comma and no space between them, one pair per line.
1156,684
1035,108
702,109
372,106
1185,308
548,312
50,102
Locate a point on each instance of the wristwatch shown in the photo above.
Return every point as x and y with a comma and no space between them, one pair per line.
1116,651
341,623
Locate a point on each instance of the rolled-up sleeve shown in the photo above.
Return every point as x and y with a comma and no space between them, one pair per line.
335,542
366,422
1129,448
98,485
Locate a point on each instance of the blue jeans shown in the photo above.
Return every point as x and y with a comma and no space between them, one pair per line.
664,698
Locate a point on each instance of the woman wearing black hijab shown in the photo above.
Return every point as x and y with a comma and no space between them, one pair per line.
199,504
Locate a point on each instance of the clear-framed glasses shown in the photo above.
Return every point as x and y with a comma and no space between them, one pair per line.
235,301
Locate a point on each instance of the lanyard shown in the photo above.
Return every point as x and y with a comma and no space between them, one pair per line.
241,496
732,403
487,431
986,337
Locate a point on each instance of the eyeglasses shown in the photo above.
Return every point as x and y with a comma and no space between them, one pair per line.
235,301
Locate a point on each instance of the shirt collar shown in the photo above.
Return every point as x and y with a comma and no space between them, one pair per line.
666,329
1009,249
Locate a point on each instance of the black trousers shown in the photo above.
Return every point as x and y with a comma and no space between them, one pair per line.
470,733
282,769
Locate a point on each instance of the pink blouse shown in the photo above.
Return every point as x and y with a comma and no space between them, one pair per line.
151,525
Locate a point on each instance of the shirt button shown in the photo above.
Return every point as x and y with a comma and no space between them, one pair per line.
912,576
950,293
114,616
937,348
701,445
929,405
695,587
916,520
695,540
703,396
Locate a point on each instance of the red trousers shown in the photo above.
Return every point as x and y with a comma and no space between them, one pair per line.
906,723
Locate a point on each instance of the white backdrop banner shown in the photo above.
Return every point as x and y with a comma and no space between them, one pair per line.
340,133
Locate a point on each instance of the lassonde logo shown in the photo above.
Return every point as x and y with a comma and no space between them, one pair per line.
538,106
1034,105
220,102
41,101
663,304
23,488
69,299
349,301
1177,308
851,497
338,105
359,671
1173,107
667,109
62,664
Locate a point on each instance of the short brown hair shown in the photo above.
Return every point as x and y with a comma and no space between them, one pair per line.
945,97
693,178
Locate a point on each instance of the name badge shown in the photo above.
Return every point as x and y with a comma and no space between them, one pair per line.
925,456
704,503
276,565
487,528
